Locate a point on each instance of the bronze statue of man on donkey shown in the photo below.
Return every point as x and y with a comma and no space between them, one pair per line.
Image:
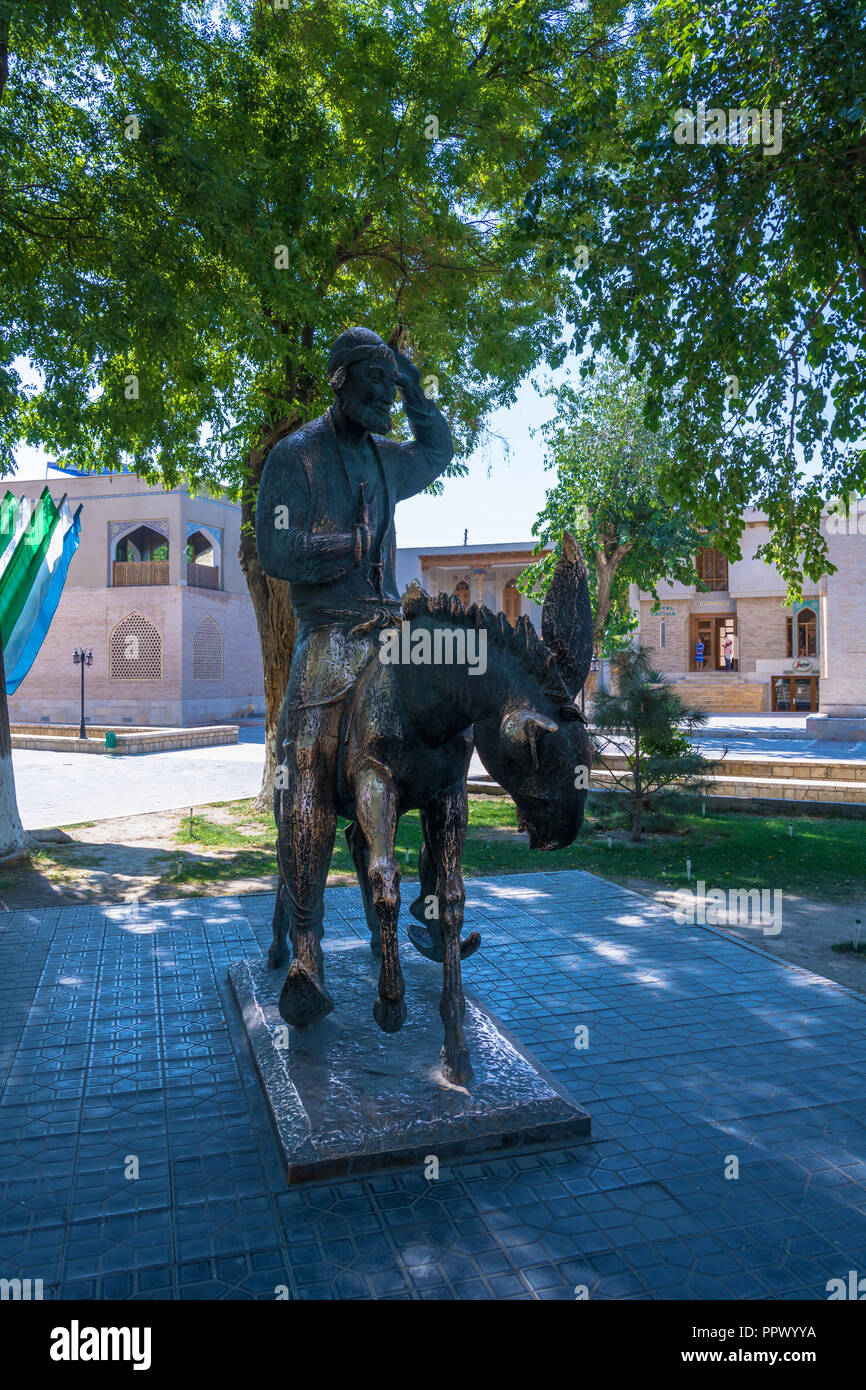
368,738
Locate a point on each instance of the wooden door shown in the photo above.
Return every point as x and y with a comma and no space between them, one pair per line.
795,694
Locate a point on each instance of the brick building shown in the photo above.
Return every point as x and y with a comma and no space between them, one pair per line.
156,590
485,574
805,658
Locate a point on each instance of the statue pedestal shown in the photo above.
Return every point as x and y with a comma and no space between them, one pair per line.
346,1098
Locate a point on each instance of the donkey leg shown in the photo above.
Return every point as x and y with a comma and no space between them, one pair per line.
279,951
376,804
361,859
426,936
306,830
278,954
446,822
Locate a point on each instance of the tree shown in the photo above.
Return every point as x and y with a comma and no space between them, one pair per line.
52,136
648,726
13,842
193,213
606,492
727,251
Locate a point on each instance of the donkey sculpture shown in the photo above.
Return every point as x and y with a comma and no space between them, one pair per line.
406,741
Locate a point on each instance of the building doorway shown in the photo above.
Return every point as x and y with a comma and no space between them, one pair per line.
795,694
712,629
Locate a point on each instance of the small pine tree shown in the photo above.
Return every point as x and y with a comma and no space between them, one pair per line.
645,722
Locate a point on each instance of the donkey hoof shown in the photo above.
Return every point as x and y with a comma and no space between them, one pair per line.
457,1067
277,957
304,1000
470,945
424,942
417,909
390,1014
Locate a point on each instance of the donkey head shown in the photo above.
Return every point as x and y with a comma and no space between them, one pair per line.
536,746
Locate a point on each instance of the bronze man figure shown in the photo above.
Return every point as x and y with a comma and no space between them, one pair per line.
372,739
325,523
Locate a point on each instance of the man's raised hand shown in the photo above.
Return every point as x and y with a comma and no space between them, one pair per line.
408,375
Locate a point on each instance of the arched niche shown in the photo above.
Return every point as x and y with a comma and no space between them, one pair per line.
142,543
203,556
207,650
135,650
806,643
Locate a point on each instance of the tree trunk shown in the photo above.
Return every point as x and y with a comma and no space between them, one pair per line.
277,627
13,842
588,695
608,558
605,571
275,618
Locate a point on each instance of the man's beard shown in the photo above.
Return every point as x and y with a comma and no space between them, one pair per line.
376,419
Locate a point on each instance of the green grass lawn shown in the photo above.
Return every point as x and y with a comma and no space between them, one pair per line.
822,857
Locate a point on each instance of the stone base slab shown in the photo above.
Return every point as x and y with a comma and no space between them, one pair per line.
47,738
842,729
345,1097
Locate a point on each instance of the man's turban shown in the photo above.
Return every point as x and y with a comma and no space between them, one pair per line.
355,345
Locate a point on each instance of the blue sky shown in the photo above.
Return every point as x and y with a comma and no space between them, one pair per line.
503,492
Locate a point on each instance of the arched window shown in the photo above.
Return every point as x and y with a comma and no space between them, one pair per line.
199,548
142,544
207,651
511,601
202,561
461,591
135,650
807,632
140,557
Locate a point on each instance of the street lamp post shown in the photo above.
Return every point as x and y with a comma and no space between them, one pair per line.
82,658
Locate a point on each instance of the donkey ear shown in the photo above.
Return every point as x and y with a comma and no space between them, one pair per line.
566,617
525,726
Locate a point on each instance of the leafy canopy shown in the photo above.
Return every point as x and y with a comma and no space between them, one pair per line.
737,275
606,492
195,201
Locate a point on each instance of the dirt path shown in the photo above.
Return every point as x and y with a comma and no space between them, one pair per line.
126,859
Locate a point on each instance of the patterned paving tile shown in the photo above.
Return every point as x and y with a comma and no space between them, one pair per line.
726,1090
